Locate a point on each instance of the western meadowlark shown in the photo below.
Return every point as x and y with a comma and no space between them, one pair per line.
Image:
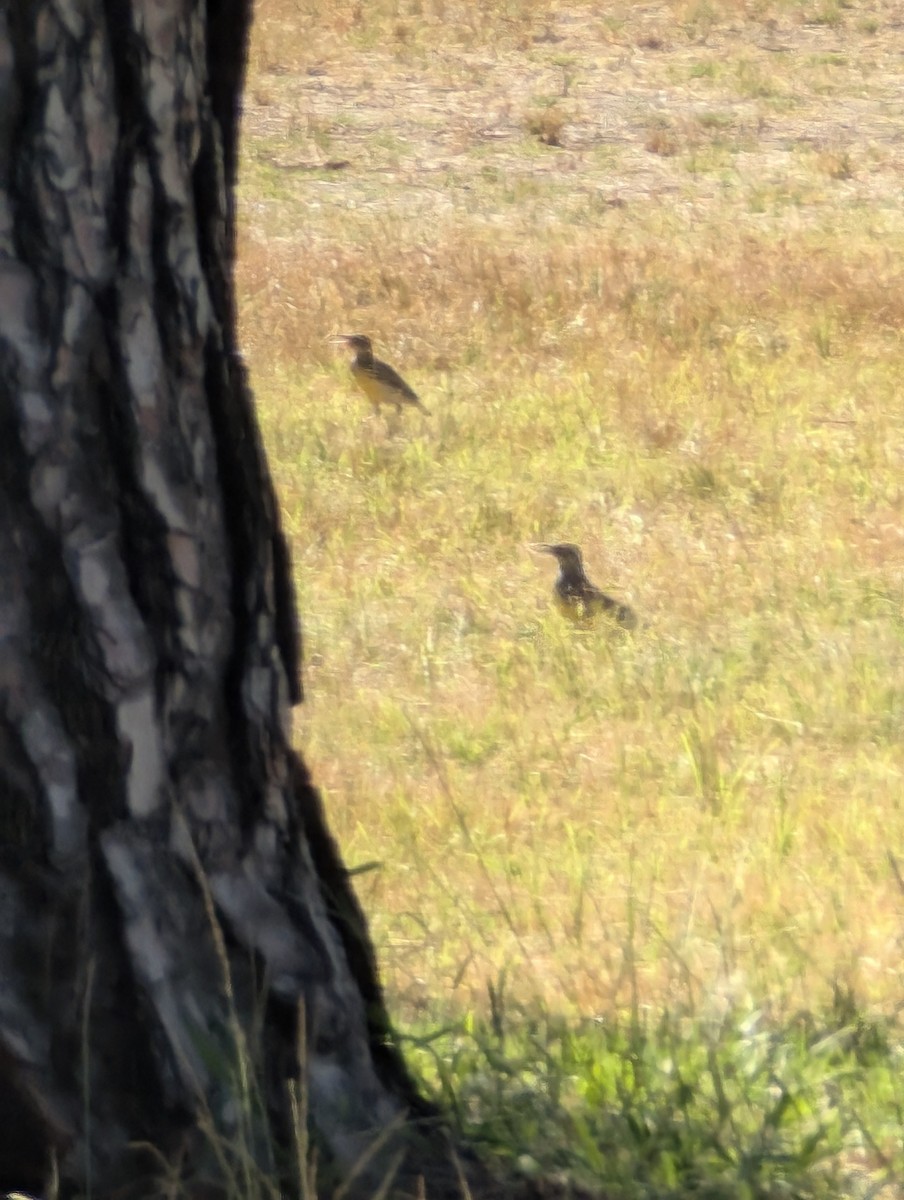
379,382
577,598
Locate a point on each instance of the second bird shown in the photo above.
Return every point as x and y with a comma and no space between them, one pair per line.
379,382
578,599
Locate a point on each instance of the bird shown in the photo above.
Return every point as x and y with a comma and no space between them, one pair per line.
379,382
577,598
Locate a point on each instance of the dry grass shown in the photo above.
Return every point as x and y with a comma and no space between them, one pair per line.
689,362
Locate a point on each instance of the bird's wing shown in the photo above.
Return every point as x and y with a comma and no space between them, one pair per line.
387,375
597,601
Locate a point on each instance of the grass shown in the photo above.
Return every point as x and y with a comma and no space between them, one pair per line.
723,1104
667,327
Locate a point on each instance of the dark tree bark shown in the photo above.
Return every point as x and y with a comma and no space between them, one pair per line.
169,892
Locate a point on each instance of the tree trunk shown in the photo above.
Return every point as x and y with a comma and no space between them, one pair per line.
171,901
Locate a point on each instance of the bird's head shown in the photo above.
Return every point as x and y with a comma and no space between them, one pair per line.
355,341
567,553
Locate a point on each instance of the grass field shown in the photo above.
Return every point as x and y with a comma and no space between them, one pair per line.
644,267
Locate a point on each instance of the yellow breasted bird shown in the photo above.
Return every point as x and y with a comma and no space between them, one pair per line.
379,382
576,597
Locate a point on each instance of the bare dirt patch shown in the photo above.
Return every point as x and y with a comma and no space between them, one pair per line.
775,118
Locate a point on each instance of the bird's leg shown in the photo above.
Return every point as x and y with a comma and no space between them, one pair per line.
394,420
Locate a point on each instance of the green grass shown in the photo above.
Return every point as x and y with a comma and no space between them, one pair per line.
729,1103
675,339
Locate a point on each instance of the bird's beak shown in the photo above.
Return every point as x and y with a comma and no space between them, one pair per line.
540,547
338,339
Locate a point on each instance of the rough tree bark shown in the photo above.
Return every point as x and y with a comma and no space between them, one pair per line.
166,875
